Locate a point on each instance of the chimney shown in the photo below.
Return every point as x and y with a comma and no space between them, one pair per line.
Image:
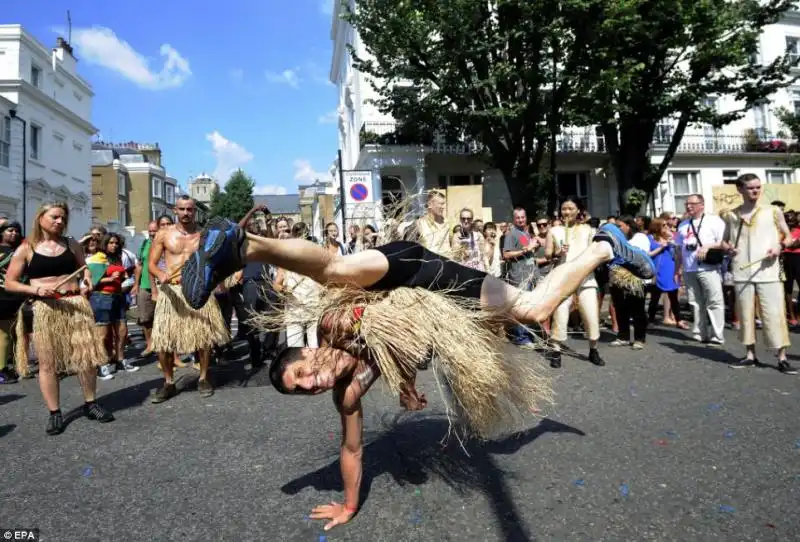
61,43
62,53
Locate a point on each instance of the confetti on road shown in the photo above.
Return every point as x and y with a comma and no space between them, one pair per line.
662,442
729,434
714,406
672,434
416,519
417,492
322,538
633,391
770,525
330,436
580,483
87,471
623,490
797,444
726,509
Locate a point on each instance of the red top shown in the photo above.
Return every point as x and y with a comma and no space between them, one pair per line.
795,235
114,287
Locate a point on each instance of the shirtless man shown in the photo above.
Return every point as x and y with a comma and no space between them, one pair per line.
176,243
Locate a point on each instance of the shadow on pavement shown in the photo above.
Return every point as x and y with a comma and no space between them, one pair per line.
6,429
411,451
702,351
10,398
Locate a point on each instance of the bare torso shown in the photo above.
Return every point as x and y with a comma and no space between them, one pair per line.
178,245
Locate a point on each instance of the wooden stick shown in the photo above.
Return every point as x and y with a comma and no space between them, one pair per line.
751,264
70,277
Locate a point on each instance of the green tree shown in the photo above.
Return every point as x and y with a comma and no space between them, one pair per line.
217,202
473,72
791,121
237,198
656,61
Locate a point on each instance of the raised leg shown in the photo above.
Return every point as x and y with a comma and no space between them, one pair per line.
538,305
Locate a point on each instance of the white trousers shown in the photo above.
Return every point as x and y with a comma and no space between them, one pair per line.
773,313
708,303
299,336
590,314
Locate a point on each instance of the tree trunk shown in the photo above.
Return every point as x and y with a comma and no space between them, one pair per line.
630,158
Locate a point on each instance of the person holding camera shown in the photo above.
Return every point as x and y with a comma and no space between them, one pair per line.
699,242
755,236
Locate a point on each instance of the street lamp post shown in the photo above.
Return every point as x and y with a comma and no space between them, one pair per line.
13,115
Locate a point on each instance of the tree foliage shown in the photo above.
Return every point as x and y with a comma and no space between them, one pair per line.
657,61
472,72
236,199
509,73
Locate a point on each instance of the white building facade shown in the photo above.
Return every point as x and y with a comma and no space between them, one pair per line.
52,110
706,157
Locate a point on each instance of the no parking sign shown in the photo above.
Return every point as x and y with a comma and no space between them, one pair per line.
358,186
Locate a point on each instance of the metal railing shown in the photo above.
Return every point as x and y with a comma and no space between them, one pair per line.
587,140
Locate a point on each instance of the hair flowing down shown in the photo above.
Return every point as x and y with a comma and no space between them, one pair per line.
487,388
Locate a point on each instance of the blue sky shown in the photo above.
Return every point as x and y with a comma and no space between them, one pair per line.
217,85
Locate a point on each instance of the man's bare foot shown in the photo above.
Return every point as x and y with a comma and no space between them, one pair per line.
411,400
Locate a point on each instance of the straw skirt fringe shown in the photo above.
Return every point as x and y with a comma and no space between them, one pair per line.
64,336
179,328
487,386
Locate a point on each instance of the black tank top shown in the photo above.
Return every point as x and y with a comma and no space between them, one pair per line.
42,266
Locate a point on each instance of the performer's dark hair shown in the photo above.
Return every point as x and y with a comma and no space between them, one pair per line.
276,369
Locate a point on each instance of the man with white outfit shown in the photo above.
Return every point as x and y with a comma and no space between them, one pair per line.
697,235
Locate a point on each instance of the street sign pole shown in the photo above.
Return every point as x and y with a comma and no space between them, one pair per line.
341,195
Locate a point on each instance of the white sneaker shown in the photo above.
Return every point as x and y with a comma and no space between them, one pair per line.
617,342
128,366
638,345
104,372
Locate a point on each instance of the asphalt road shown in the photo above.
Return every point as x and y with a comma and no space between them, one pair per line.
663,444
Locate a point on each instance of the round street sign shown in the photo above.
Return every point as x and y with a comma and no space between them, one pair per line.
358,192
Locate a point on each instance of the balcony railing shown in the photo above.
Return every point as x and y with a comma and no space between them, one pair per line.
586,140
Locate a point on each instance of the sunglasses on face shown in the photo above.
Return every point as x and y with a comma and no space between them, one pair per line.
542,225
466,219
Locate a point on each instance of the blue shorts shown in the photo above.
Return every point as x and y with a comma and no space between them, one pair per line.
108,308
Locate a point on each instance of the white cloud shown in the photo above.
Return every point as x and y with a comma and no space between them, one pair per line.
286,77
100,46
229,155
270,190
237,75
304,172
329,118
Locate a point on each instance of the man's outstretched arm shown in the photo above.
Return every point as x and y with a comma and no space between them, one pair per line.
352,468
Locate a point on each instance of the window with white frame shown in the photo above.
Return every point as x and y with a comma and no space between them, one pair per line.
122,185
5,142
779,176
157,183
794,96
729,176
123,213
761,120
154,212
793,48
169,194
36,142
684,184
36,76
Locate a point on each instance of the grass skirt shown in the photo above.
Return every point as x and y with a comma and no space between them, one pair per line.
486,386
179,328
64,336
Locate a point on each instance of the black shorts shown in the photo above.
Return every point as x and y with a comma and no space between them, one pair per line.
413,266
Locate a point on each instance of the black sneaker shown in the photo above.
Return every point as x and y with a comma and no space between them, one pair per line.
555,359
744,363
55,425
786,368
94,411
205,388
168,391
218,256
594,357
633,259
8,376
